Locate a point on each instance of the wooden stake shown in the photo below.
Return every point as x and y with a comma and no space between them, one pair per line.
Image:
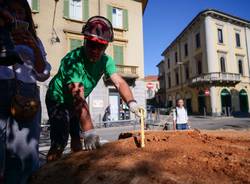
142,128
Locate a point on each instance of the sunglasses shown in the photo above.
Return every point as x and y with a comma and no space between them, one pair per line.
95,45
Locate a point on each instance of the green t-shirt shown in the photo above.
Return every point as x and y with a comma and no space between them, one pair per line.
76,68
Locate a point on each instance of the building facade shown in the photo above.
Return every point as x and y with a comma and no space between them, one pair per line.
208,65
59,24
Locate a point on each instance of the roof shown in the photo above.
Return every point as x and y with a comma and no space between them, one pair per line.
150,78
206,13
144,4
160,63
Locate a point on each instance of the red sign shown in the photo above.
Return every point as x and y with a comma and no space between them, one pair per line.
150,85
207,92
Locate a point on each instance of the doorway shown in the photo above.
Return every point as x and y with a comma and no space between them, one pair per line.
226,104
243,98
201,102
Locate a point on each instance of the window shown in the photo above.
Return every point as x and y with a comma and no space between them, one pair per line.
222,65
186,49
176,57
240,67
237,37
169,81
197,40
168,63
220,36
187,72
75,43
118,17
199,67
177,78
34,5
118,54
76,9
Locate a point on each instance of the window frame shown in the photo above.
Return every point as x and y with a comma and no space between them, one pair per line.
70,36
220,35
186,49
177,80
197,40
122,47
84,12
187,71
199,67
237,40
34,6
176,57
240,67
71,12
169,81
223,65
124,19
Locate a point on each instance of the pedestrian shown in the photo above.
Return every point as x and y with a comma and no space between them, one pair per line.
20,112
180,116
78,74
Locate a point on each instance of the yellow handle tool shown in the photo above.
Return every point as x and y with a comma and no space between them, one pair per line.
142,112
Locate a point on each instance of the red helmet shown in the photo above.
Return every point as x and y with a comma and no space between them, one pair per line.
98,29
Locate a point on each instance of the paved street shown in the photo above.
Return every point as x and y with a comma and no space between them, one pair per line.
112,133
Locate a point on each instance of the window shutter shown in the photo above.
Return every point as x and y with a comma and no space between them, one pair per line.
109,13
85,8
74,43
125,19
35,5
118,54
66,8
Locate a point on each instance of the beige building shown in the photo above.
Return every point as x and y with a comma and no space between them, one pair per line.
208,65
59,24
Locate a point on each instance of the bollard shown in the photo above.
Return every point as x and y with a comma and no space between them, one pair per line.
142,112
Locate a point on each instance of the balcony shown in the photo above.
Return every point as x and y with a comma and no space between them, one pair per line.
215,79
129,72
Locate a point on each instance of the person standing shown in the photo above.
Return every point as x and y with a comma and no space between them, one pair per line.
78,74
19,136
180,116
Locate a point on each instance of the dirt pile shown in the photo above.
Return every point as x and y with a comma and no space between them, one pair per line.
169,157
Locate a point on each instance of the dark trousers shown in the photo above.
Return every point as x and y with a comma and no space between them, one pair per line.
62,123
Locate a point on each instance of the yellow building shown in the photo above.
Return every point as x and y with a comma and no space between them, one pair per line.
208,65
59,24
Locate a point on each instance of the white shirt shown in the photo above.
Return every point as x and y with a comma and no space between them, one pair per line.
180,116
26,72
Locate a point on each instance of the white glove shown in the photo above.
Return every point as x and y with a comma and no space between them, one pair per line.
135,108
91,140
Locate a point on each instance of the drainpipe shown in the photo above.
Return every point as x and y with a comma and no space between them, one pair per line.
99,7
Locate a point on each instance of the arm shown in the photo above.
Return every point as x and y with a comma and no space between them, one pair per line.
123,88
91,139
80,106
27,38
46,72
174,119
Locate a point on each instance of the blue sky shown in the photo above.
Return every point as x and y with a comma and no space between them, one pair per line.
165,19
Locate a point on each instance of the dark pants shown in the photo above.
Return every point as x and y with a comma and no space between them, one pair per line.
19,156
182,126
62,123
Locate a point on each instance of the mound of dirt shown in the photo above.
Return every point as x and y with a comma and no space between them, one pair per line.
169,157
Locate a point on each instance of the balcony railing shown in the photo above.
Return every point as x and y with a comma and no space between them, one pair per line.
127,71
216,78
